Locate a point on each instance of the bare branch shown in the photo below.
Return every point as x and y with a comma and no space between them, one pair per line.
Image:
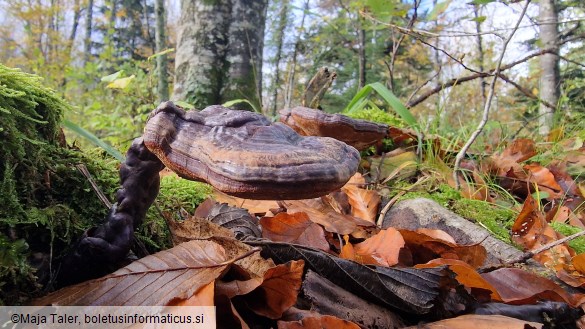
486,110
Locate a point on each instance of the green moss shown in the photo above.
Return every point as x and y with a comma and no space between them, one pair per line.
494,218
375,115
46,202
578,244
176,195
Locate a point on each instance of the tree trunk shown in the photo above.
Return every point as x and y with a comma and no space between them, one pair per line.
549,63
162,90
361,54
201,48
293,65
73,34
244,54
88,28
282,23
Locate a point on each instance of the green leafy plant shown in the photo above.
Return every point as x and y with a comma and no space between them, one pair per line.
361,100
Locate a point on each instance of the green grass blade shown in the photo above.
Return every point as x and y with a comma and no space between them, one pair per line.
238,101
396,104
93,139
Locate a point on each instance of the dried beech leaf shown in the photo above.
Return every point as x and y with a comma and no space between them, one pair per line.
545,180
520,150
410,290
517,286
318,321
203,297
294,228
364,203
425,248
256,207
579,263
323,214
437,234
479,322
383,248
531,231
279,290
467,276
174,274
238,220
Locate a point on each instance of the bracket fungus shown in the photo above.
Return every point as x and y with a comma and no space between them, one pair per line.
360,134
243,154
238,152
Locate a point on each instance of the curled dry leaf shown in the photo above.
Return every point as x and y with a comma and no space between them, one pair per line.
167,276
278,291
255,207
323,214
517,286
531,231
318,321
364,203
425,248
381,249
294,228
479,322
467,276
203,297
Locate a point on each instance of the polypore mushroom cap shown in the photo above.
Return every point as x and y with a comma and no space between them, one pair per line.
242,154
360,134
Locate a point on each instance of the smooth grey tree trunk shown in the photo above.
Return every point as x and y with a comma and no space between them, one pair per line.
201,48
244,53
162,89
480,52
549,63
219,51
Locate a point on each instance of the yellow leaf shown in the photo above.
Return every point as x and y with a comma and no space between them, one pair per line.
121,83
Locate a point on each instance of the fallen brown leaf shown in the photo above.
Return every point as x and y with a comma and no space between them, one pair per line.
294,228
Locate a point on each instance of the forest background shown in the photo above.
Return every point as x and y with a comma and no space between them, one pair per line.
436,57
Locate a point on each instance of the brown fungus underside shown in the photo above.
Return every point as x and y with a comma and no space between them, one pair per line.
360,134
243,154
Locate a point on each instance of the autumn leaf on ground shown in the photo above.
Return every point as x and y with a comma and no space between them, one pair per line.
544,180
482,290
168,276
517,286
425,248
323,214
204,297
479,322
531,231
520,150
381,249
294,228
256,207
318,321
278,291
364,203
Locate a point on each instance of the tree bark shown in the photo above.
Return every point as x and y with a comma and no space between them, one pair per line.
282,23
480,54
88,28
162,90
201,48
361,54
73,34
244,53
549,63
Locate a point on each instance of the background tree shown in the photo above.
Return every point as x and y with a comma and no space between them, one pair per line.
219,51
549,63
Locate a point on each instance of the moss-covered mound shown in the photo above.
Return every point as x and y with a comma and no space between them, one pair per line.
46,203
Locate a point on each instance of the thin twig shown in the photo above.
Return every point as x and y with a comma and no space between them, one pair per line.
488,102
83,170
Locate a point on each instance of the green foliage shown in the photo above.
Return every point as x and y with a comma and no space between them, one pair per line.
375,114
361,99
578,244
176,196
93,139
14,268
